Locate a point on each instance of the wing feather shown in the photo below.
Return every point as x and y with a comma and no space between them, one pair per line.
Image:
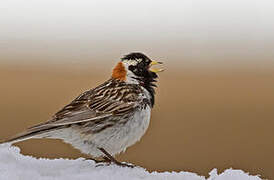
96,104
111,99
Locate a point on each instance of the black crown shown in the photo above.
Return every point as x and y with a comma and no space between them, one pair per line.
135,55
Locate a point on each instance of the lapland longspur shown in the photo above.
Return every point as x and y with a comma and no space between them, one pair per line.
104,121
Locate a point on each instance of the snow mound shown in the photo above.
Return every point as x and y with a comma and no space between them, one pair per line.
15,166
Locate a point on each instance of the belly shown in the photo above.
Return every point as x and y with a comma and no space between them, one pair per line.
114,139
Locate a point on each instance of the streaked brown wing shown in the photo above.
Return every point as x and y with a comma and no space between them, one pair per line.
100,107
96,104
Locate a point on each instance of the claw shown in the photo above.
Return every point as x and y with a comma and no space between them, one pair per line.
111,159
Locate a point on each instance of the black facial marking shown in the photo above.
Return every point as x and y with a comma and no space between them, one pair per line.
142,72
135,56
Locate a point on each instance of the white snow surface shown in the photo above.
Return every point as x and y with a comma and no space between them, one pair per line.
15,166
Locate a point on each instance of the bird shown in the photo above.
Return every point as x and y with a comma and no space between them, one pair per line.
102,122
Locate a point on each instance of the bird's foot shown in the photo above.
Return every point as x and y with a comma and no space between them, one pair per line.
97,160
100,162
122,164
107,162
104,162
110,159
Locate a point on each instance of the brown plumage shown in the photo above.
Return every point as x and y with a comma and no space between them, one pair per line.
118,98
108,118
119,72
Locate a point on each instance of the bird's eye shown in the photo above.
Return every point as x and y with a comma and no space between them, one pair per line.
133,68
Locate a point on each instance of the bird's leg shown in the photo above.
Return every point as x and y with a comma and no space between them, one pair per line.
112,159
101,162
104,160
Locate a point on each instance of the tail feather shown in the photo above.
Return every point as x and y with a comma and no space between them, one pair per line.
35,132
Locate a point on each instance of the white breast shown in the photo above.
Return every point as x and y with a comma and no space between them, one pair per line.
114,139
117,138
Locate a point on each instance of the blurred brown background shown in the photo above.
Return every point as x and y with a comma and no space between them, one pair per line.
202,119
215,101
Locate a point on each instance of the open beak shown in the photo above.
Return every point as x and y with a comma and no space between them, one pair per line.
155,70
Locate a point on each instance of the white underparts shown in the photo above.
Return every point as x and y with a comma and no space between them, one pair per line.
114,139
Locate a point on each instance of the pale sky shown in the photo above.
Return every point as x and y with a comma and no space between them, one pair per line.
88,30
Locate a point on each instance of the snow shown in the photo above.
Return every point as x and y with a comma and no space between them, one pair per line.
15,166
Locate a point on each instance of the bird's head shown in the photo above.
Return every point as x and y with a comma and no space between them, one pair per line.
136,68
